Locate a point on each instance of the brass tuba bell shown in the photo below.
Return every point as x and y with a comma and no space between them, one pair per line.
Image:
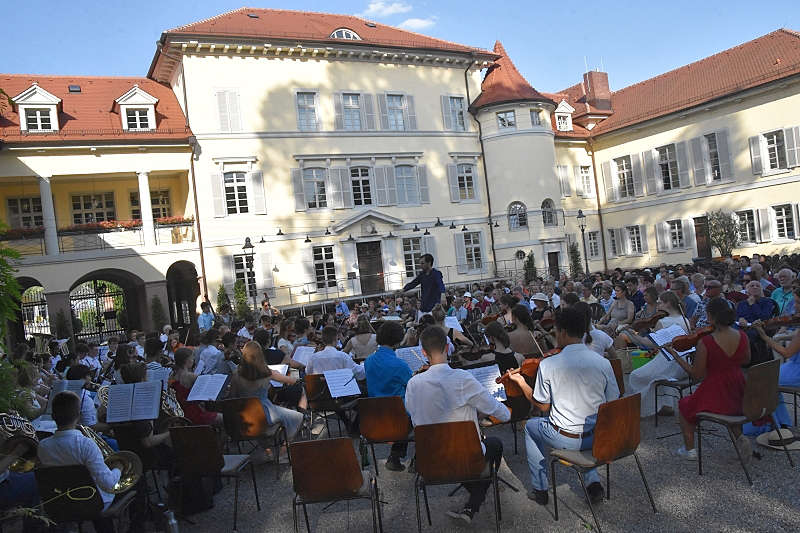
42,342
128,463
18,438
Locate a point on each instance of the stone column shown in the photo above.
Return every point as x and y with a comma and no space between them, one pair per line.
48,216
146,208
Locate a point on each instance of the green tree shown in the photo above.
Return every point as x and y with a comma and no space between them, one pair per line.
241,305
222,297
575,263
60,325
10,290
157,313
10,400
723,231
529,266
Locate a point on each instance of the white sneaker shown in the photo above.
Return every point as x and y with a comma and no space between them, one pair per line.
689,455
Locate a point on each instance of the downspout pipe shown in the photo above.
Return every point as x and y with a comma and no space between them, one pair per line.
599,210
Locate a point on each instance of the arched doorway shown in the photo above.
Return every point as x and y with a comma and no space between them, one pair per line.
106,303
182,291
32,314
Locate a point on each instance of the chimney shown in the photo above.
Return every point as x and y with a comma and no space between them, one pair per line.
598,95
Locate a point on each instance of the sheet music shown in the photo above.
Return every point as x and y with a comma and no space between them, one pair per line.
486,376
74,385
452,322
664,336
302,354
207,387
198,368
120,398
412,356
341,382
280,369
162,374
146,402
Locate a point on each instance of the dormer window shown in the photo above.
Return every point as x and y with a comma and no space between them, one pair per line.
38,119
38,110
344,33
562,122
564,116
137,110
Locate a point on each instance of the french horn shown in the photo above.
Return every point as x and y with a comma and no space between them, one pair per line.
127,462
18,438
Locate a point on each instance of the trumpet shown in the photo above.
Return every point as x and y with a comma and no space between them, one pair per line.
128,463
18,438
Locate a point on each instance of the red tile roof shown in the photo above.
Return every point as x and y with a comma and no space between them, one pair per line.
92,114
503,83
578,131
768,58
286,24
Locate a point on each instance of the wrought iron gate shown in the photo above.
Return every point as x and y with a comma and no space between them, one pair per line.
101,309
33,307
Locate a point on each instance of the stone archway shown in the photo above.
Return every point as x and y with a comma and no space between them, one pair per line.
107,302
32,315
182,292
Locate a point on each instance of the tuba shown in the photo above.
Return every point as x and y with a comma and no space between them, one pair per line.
128,463
18,438
172,414
41,342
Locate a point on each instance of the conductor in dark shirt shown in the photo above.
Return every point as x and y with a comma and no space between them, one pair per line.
431,284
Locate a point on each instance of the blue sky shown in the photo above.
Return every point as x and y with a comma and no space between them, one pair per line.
550,42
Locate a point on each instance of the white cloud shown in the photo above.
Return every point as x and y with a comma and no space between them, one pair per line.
384,9
417,24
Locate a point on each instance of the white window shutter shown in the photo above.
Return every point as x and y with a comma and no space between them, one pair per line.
422,178
683,164
452,183
643,236
255,184
662,237
796,220
724,152
755,154
218,195
461,253
338,119
409,112
792,146
650,172
309,273
380,186
447,115
576,171
609,182
222,110
394,266
689,236
612,234
299,192
383,109
267,281
347,187
336,192
764,225
699,160
623,241
429,246
234,115
484,256
227,273
638,178
391,186
563,179
368,121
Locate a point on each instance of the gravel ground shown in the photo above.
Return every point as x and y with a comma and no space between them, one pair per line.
720,500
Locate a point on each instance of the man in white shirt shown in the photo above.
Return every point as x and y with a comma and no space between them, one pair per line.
247,330
444,394
571,385
68,446
88,357
332,359
208,357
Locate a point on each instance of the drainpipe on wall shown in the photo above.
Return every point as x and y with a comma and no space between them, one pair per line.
485,173
599,211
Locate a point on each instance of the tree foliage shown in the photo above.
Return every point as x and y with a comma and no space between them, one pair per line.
157,313
242,307
723,231
10,290
529,266
575,263
222,297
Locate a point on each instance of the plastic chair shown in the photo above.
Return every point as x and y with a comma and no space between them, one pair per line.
245,421
760,400
448,454
616,436
327,470
383,420
197,453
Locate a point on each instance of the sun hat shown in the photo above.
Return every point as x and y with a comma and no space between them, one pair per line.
540,296
467,295
777,438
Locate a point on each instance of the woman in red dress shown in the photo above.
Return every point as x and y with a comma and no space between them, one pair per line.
184,379
718,362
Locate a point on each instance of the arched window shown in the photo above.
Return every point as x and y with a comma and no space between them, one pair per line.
344,33
517,216
548,213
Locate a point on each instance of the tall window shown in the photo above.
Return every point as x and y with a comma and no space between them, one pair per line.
412,251
776,150
314,187
351,111
548,213
244,270
88,208
536,117
517,216
362,192
593,243
159,201
613,245
38,119
306,111
784,221
324,269
137,119
466,182
713,156
25,212
624,177
235,192
747,226
472,247
562,123
506,120
457,113
586,180
668,166
676,234
395,108
634,239
407,185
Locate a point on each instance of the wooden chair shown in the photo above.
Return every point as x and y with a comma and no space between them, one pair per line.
327,470
246,421
616,366
197,453
449,454
616,436
383,420
795,392
69,494
760,400
320,401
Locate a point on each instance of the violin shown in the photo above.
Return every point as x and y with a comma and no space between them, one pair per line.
780,321
682,343
547,323
528,368
648,323
488,319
